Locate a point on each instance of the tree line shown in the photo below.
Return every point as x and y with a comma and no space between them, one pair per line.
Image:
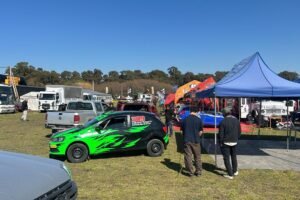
135,79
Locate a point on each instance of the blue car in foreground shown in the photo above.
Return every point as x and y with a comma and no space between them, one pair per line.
208,119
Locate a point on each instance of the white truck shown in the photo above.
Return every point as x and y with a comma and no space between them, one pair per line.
269,108
6,99
55,97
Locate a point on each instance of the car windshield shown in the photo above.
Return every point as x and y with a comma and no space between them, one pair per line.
5,99
47,96
95,120
89,123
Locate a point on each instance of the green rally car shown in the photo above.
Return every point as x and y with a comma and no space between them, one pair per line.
111,132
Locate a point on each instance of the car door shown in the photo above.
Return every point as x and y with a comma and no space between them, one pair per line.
112,134
140,130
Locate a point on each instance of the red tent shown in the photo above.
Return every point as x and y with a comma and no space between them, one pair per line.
170,98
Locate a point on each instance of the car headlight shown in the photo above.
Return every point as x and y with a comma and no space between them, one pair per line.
66,169
58,139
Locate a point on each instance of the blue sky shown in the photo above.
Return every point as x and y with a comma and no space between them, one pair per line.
201,36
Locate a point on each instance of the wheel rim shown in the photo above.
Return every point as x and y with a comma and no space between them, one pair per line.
77,152
156,148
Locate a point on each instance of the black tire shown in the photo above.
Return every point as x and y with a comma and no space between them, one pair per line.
77,153
155,147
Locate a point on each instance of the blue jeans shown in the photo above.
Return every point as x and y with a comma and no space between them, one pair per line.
170,128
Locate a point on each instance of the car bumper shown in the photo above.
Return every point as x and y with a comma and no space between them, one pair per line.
55,149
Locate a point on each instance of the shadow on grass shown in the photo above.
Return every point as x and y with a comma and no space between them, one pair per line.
119,154
172,165
213,169
60,158
105,155
177,167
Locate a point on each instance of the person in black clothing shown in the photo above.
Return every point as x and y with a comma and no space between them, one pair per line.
229,132
192,128
169,114
25,110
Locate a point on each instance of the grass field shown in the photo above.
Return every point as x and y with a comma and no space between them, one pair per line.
137,176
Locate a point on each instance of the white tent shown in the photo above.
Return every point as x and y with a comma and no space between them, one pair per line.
32,100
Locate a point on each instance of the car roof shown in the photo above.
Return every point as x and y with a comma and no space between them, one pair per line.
126,112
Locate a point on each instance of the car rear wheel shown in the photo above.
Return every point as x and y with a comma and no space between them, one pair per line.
77,153
155,147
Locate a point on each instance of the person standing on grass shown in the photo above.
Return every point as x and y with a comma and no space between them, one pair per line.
192,128
229,132
169,114
25,110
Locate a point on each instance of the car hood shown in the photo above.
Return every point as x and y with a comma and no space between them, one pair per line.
28,177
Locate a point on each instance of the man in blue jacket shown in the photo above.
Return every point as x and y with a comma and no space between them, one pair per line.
192,128
229,132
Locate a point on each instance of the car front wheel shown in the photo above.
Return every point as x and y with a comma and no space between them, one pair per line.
155,147
77,153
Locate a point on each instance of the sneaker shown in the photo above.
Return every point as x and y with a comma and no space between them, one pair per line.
190,175
228,177
197,174
236,173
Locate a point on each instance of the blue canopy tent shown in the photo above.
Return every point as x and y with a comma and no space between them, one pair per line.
252,78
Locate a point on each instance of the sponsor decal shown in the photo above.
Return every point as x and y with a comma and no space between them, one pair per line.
139,121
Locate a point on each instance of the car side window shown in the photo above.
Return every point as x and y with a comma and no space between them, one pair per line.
119,122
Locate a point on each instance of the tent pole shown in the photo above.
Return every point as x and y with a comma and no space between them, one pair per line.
259,117
287,127
216,163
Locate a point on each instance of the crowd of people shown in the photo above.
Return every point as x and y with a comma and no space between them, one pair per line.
192,129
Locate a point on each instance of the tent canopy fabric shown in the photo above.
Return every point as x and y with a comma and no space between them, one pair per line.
252,78
170,98
182,90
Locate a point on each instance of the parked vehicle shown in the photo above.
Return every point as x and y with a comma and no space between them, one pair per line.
144,98
137,106
57,96
31,177
268,108
6,99
76,113
295,117
111,132
208,118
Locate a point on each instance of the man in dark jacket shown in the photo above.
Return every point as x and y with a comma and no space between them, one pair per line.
229,132
25,110
169,113
192,128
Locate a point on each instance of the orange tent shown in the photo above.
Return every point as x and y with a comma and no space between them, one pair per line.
182,90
